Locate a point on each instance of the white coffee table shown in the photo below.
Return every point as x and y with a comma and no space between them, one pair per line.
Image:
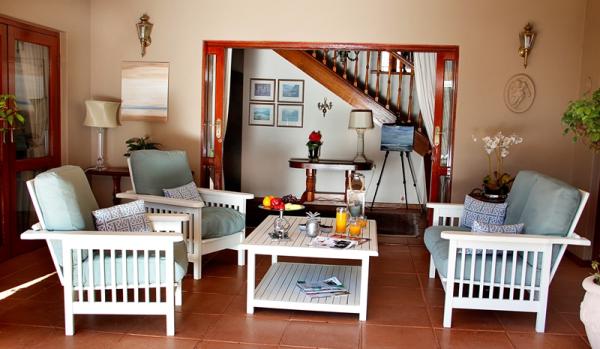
278,288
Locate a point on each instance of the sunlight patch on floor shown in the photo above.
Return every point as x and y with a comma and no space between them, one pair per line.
10,292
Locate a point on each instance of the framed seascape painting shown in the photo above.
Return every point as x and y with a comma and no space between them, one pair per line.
262,114
290,91
262,90
290,115
144,91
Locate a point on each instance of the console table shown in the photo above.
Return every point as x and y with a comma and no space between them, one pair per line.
310,193
115,172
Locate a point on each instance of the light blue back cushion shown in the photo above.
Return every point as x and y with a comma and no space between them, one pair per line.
549,208
155,170
221,221
66,201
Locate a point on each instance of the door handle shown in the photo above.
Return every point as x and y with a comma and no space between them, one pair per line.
218,130
436,136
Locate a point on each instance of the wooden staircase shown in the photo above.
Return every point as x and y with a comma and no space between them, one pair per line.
387,90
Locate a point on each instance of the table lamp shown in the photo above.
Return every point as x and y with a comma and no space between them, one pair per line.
101,114
360,120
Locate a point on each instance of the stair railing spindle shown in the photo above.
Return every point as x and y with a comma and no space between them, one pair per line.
335,53
377,76
367,73
410,93
345,58
389,83
399,99
325,56
356,69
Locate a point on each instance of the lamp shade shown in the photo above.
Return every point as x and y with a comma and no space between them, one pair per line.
101,114
361,118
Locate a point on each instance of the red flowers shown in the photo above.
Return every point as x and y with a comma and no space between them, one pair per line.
315,137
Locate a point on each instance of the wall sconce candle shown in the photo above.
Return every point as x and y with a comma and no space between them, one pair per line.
144,29
526,39
325,106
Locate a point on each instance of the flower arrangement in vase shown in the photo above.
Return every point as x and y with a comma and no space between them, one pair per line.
498,182
314,146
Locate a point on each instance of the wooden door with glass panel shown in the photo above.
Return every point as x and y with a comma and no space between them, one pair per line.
31,73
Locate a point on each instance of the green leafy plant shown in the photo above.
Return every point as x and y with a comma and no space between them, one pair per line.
9,113
582,119
139,143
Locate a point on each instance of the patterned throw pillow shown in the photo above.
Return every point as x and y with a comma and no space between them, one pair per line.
186,192
495,228
479,227
127,217
483,212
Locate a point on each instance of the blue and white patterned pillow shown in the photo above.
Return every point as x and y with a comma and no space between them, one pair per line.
483,212
127,217
187,192
479,227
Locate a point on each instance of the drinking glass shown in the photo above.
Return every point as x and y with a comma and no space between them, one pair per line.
362,221
354,228
341,218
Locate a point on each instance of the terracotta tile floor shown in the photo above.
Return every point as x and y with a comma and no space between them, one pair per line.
405,310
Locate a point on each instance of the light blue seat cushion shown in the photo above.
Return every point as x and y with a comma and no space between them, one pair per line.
547,206
181,264
155,170
439,249
221,221
66,201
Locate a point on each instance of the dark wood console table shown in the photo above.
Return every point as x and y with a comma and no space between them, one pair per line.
115,172
310,193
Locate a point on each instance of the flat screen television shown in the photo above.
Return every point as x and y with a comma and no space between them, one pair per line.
396,137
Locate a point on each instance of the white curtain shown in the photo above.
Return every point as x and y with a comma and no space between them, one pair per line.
425,69
226,89
425,65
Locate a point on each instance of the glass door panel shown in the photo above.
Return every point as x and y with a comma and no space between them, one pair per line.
211,174
31,80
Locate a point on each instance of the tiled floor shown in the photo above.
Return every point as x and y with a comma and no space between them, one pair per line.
405,311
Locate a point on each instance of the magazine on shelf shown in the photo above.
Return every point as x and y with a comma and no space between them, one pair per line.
324,288
332,242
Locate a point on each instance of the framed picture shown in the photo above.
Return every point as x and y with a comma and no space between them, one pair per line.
290,115
291,91
262,90
144,91
262,114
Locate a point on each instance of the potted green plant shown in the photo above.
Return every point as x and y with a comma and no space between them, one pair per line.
139,143
9,114
590,307
582,119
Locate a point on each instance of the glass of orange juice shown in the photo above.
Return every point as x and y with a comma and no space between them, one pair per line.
362,221
341,219
354,228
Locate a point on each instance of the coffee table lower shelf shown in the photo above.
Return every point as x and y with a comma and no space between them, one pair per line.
278,288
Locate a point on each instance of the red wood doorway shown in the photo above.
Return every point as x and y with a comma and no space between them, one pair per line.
438,163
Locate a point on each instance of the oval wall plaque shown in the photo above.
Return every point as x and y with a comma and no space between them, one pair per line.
519,93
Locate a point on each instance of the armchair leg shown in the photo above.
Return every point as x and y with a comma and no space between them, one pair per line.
198,269
69,317
241,256
178,296
431,268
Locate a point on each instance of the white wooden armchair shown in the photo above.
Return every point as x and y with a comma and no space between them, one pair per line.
106,272
154,170
510,272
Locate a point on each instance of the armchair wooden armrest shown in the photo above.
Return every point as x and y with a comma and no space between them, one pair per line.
130,195
574,239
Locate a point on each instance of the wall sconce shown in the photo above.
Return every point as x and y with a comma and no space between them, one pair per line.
144,28
325,106
526,39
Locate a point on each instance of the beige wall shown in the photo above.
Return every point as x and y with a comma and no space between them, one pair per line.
486,31
586,164
72,18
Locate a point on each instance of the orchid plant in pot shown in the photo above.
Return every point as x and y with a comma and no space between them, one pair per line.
497,147
590,307
314,146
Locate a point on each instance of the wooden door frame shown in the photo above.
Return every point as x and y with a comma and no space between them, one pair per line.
450,50
19,30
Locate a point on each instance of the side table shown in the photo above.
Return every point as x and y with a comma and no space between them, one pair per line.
115,172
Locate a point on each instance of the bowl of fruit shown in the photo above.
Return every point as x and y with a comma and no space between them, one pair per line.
286,203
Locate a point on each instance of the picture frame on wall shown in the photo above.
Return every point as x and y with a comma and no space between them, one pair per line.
144,91
262,90
290,115
290,91
261,114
